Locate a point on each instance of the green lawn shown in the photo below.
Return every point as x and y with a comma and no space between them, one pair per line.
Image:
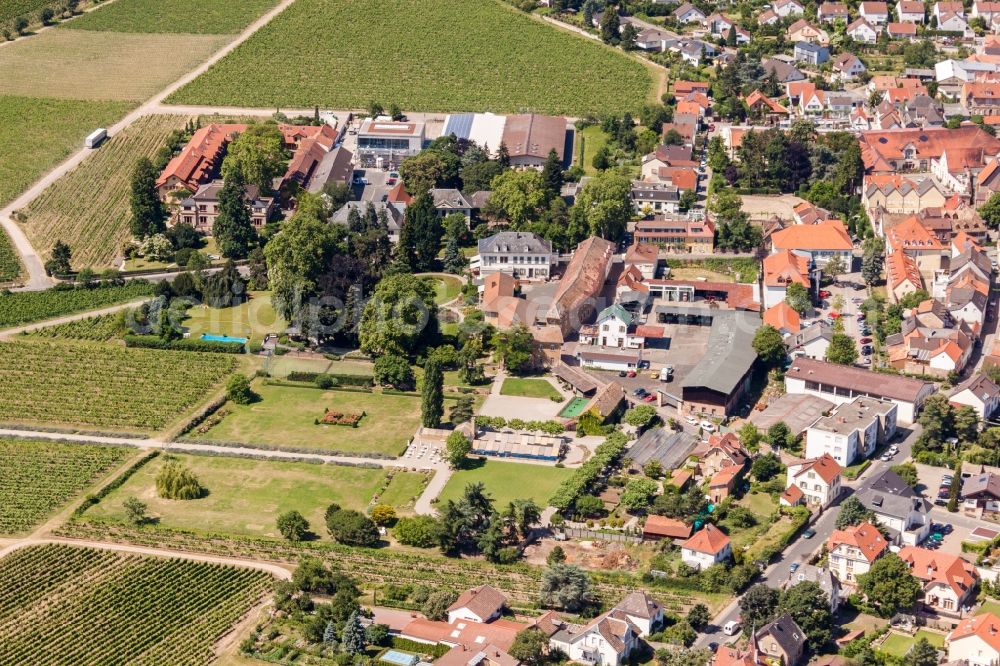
245,496
898,644
36,133
446,288
760,504
403,490
177,16
447,55
529,388
282,366
591,139
285,417
507,481
253,319
990,607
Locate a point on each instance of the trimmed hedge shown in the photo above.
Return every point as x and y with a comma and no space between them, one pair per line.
585,476
342,380
155,342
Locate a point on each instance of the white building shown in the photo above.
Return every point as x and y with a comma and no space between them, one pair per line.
975,641
389,139
898,508
607,640
520,254
852,431
854,550
816,482
480,604
708,546
978,392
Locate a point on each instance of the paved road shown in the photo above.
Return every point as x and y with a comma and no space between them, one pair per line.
800,550
37,279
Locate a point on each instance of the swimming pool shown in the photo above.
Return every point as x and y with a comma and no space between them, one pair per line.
574,408
400,658
222,338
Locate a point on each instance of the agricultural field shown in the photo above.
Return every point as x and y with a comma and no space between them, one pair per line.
26,307
10,264
246,496
253,319
88,208
11,9
68,605
178,16
104,386
507,481
36,133
88,65
440,55
39,477
286,417
98,329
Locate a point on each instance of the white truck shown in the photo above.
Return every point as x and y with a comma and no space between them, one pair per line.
666,373
95,138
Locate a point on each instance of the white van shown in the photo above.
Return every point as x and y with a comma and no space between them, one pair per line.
731,628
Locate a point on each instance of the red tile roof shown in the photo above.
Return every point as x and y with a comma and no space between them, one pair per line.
825,466
865,537
826,235
985,626
933,567
783,268
710,539
666,527
783,317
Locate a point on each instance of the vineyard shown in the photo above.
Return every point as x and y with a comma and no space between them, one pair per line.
179,16
25,307
10,265
446,55
35,134
98,329
88,208
39,477
83,383
68,605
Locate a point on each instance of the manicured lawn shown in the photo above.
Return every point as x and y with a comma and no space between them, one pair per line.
529,388
447,289
35,134
440,55
285,417
760,504
591,139
176,16
989,607
699,274
403,490
253,319
281,366
246,496
898,644
507,481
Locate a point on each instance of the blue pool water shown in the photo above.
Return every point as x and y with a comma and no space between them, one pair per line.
399,658
222,338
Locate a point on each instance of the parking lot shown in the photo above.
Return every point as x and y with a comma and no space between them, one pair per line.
849,301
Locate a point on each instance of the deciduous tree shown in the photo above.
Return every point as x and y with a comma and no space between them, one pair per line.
148,213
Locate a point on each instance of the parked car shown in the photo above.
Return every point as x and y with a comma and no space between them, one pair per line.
794,567
630,373
823,293
639,392
650,397
691,420
943,493
885,457
707,426
866,341
809,533
731,628
866,350
621,373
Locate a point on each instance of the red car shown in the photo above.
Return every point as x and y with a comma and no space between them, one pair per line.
630,373
649,398
823,293
866,341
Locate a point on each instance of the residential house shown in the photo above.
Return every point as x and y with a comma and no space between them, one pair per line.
652,39
608,640
942,9
707,547
848,66
448,201
822,576
989,11
718,25
915,240
948,581
981,98
521,254
902,150
781,641
910,11
803,31
953,23
335,166
783,71
841,384
810,342
666,156
817,480
852,431
654,198
688,13
199,161
852,551
902,276
820,242
576,298
783,319
897,194
828,12
782,269
642,611
615,327
764,109
807,213
383,209
981,494
936,352
785,8
876,13
898,508
719,453
902,31
677,234
490,655
860,30
683,87
952,74
978,392
660,527
812,54
644,257
201,209
975,641
480,604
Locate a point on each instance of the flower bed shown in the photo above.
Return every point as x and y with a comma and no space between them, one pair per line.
351,419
